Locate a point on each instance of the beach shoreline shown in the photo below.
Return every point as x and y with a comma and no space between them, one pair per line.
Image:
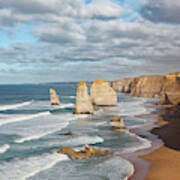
156,162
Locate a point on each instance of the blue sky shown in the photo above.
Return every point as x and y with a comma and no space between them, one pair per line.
67,40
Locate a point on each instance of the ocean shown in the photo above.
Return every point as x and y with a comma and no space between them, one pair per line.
30,134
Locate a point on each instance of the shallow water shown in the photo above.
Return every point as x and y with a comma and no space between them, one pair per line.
30,128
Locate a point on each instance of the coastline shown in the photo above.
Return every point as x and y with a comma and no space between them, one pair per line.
141,166
157,162
165,160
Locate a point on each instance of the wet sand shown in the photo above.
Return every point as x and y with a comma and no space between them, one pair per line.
165,164
165,161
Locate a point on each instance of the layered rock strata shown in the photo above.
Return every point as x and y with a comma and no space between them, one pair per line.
102,94
171,89
83,101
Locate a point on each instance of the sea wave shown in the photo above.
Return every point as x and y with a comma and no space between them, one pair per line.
38,136
21,169
145,144
14,106
24,117
4,148
77,141
132,108
66,105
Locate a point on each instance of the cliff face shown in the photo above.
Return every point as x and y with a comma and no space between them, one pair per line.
171,89
147,86
102,94
167,88
123,85
83,102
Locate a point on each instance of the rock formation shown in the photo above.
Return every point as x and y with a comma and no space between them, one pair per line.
147,86
123,85
102,94
86,154
167,88
171,89
69,133
117,122
83,102
53,97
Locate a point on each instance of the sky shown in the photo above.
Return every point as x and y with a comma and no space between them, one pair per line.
73,40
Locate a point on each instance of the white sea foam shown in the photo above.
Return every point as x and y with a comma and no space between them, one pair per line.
21,169
4,148
84,140
77,141
132,108
38,136
23,118
145,144
69,97
67,105
14,106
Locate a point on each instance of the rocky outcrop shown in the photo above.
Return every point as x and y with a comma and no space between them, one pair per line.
86,154
147,86
83,102
123,85
53,97
102,94
171,89
69,133
117,122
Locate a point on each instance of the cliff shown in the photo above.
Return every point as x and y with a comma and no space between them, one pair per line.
167,88
102,94
123,85
147,86
83,102
171,89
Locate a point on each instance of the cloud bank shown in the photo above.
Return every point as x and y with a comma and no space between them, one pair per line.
67,40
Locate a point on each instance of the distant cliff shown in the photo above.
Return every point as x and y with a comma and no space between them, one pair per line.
167,87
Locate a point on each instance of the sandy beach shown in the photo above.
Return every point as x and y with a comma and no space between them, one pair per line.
161,161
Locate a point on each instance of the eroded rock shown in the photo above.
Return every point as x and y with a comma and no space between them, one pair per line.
86,154
53,97
83,101
102,94
117,122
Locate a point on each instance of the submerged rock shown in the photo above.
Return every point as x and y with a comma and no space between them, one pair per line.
102,94
69,133
171,89
83,102
53,97
86,154
117,122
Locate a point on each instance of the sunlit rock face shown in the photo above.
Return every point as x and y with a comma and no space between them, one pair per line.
147,86
123,85
171,89
83,101
102,94
53,97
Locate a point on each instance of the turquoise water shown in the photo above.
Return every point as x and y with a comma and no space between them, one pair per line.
30,128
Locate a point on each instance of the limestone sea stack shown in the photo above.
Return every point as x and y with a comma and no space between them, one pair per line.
171,89
53,97
117,122
102,94
83,101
